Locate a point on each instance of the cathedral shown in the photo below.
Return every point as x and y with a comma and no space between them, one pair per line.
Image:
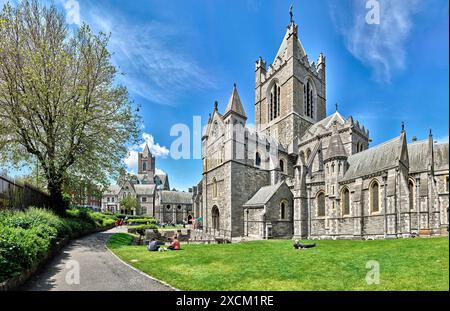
303,173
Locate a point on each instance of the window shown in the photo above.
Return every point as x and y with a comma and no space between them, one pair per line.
345,199
274,104
374,197
179,207
109,199
215,218
282,166
283,214
168,207
144,166
144,199
257,159
308,154
447,185
411,194
308,91
320,204
214,184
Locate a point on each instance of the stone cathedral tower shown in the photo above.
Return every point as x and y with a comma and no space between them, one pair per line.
290,93
146,164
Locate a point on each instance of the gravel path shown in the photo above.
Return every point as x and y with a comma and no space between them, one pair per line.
99,269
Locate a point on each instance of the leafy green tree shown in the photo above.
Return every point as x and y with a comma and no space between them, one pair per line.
59,99
129,204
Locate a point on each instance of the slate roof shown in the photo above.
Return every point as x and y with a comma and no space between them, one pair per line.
176,197
235,104
263,195
144,189
441,156
418,153
112,190
324,124
335,146
375,159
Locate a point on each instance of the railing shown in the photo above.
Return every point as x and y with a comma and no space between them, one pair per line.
18,196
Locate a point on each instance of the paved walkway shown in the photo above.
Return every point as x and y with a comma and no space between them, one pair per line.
99,269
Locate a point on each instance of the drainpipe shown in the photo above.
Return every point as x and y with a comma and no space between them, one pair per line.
385,204
418,203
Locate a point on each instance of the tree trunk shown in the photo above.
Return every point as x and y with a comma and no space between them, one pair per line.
56,198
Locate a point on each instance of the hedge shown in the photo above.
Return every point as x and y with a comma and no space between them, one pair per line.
26,237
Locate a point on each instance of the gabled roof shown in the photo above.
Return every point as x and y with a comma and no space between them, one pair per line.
418,156
112,190
144,189
441,156
176,197
235,104
375,159
263,195
325,124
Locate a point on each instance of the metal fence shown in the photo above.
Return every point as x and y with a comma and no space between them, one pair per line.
14,195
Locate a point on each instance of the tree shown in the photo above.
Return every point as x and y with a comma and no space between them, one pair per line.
129,204
59,100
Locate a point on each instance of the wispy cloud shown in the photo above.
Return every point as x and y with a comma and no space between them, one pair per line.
149,54
381,46
156,149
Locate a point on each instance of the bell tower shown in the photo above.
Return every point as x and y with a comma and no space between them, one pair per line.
146,164
290,94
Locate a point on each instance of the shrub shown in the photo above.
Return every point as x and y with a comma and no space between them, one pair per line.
142,221
136,229
26,236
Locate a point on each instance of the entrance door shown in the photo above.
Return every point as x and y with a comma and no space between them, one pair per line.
215,218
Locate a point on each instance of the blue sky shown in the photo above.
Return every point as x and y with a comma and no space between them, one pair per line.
179,56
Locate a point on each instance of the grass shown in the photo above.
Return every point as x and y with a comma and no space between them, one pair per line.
405,264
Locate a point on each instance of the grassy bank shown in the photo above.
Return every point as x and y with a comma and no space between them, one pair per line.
26,237
405,264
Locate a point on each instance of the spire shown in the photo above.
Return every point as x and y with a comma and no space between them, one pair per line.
235,105
291,14
147,151
216,105
335,146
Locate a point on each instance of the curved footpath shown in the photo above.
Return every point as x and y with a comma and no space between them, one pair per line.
99,269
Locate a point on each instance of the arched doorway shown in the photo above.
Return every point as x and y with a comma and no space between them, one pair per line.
215,218
189,219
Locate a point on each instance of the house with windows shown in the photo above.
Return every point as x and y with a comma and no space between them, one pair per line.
152,192
302,173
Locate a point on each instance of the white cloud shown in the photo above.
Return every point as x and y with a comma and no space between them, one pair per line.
72,12
155,64
156,149
379,46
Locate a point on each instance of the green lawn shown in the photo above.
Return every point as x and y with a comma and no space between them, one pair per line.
405,264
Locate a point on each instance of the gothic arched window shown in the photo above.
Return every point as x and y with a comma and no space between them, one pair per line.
345,197
274,104
144,166
320,201
308,91
257,159
374,197
282,165
283,206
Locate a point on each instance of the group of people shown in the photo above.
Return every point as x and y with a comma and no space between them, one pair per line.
155,245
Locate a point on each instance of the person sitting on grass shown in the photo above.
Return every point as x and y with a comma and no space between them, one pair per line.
175,246
154,245
299,246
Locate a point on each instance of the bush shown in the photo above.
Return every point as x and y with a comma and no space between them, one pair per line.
147,221
26,236
136,229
